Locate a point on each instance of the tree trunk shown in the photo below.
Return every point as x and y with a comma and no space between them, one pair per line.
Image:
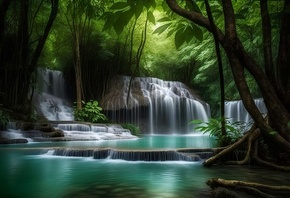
78,71
240,60
220,66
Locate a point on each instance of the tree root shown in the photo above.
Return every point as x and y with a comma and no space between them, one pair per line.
251,138
210,161
249,187
265,163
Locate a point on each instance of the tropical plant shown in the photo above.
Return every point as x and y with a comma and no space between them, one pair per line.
90,112
131,127
213,127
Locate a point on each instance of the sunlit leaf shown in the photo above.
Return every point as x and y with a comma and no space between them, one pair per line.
161,29
164,19
170,32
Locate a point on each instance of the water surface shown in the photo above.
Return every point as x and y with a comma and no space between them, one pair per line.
30,174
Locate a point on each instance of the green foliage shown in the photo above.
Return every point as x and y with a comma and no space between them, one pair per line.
121,13
213,127
183,31
4,118
91,112
134,129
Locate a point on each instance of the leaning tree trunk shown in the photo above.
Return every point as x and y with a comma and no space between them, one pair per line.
239,61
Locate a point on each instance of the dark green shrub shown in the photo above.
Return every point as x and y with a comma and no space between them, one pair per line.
90,112
134,129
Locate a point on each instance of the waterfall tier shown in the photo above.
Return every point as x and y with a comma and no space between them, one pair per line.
135,155
53,101
155,105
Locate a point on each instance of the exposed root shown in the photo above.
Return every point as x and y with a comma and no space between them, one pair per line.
251,138
265,163
249,187
227,150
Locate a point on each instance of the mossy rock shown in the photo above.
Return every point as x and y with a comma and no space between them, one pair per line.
25,126
44,127
56,133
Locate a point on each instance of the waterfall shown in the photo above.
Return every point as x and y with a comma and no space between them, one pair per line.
236,111
157,106
53,100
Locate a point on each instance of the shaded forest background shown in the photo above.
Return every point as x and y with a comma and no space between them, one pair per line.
93,41
107,38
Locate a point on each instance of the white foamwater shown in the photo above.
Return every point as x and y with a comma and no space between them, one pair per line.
53,100
156,105
94,132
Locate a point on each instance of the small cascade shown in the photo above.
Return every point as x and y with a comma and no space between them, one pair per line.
136,155
155,105
77,131
53,101
236,111
14,133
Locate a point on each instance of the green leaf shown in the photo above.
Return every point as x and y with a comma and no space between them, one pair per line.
179,38
151,17
161,29
197,32
193,6
273,133
122,21
119,6
196,122
164,19
188,33
138,9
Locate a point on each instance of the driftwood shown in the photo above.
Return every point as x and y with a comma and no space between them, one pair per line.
249,187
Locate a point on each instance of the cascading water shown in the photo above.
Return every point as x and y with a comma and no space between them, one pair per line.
236,111
157,106
53,100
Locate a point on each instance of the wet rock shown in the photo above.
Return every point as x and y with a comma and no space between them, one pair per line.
13,141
